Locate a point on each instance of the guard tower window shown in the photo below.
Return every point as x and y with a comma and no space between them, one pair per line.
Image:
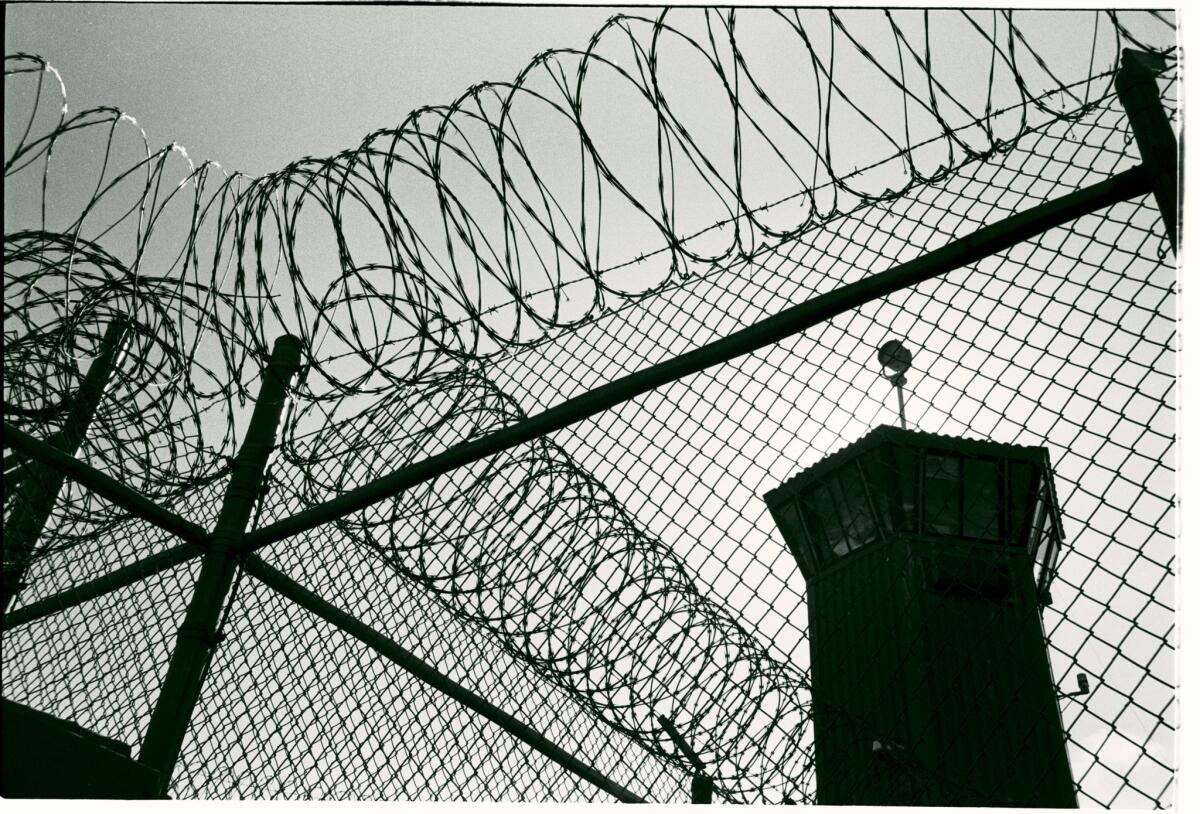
943,494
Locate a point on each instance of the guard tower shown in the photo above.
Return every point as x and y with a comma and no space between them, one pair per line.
927,560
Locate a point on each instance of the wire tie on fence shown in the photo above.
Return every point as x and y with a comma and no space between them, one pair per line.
209,639
1081,681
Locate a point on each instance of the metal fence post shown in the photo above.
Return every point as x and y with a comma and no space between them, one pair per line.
197,635
1137,89
36,494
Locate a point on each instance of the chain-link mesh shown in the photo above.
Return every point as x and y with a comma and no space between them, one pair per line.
267,662
625,569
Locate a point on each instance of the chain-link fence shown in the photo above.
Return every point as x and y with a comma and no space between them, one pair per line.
605,607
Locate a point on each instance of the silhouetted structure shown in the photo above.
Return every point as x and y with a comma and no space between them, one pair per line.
48,757
931,683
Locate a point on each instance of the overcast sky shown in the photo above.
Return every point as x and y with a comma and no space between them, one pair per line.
255,87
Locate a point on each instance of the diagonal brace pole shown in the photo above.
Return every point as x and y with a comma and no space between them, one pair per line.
702,784
285,586
93,589
112,490
1137,89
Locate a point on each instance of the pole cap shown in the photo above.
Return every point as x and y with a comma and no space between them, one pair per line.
287,350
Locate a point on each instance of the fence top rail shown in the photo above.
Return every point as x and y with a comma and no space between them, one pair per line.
991,239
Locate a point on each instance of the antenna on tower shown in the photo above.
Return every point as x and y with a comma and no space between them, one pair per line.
896,358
